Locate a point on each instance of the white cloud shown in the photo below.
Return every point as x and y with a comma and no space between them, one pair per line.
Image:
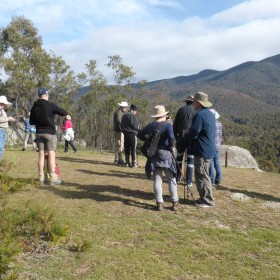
155,47
248,11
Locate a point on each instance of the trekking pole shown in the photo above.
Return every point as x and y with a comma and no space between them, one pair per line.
182,175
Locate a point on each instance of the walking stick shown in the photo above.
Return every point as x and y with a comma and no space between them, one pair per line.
182,176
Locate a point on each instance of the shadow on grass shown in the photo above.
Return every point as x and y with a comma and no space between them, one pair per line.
81,160
257,195
100,193
114,173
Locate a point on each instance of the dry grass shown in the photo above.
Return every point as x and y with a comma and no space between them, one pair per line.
116,234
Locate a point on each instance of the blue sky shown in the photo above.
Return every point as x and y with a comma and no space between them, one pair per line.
158,38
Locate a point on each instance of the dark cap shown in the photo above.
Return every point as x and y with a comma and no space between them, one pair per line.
42,91
133,107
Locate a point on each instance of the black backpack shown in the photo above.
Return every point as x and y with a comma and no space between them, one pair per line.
149,147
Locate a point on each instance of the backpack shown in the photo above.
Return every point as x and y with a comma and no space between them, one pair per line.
149,147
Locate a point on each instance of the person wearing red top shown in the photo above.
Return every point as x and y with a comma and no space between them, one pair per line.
68,134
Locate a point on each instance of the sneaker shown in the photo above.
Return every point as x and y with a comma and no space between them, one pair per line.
189,185
116,162
54,180
23,149
120,162
204,205
127,165
134,165
159,206
175,206
198,202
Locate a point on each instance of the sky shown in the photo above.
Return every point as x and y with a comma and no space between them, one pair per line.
159,39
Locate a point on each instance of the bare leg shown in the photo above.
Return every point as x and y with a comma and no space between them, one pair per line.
51,161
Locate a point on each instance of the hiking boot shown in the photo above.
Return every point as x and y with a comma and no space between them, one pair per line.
159,206
175,206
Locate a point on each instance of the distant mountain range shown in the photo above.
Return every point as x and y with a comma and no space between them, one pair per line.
248,88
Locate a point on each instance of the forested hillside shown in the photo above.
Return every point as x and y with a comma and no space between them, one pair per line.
247,96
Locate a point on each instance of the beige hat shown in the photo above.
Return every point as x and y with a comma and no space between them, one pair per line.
159,111
189,98
202,98
3,100
68,117
123,104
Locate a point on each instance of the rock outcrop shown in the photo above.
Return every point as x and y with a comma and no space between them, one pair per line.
238,157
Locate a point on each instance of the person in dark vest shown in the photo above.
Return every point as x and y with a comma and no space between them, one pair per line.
201,144
118,134
181,126
130,125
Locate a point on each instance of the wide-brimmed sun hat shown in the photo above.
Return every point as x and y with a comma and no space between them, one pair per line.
202,98
189,98
216,114
123,104
3,100
159,111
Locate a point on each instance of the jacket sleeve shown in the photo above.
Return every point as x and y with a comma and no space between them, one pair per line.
194,131
142,134
59,111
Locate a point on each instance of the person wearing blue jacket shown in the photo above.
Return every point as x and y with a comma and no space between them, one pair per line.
163,161
201,142
30,132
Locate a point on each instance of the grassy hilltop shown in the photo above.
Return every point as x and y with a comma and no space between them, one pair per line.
101,224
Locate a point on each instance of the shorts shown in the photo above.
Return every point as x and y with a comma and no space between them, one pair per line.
46,142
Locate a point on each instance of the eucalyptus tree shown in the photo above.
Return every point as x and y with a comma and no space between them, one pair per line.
91,105
23,60
64,85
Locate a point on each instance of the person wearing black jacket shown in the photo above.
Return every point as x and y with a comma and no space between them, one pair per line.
42,116
181,126
130,125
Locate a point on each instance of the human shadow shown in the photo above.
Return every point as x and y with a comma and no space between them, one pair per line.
262,196
100,193
81,160
114,173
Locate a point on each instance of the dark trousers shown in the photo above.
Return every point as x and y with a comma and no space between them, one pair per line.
71,143
130,142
